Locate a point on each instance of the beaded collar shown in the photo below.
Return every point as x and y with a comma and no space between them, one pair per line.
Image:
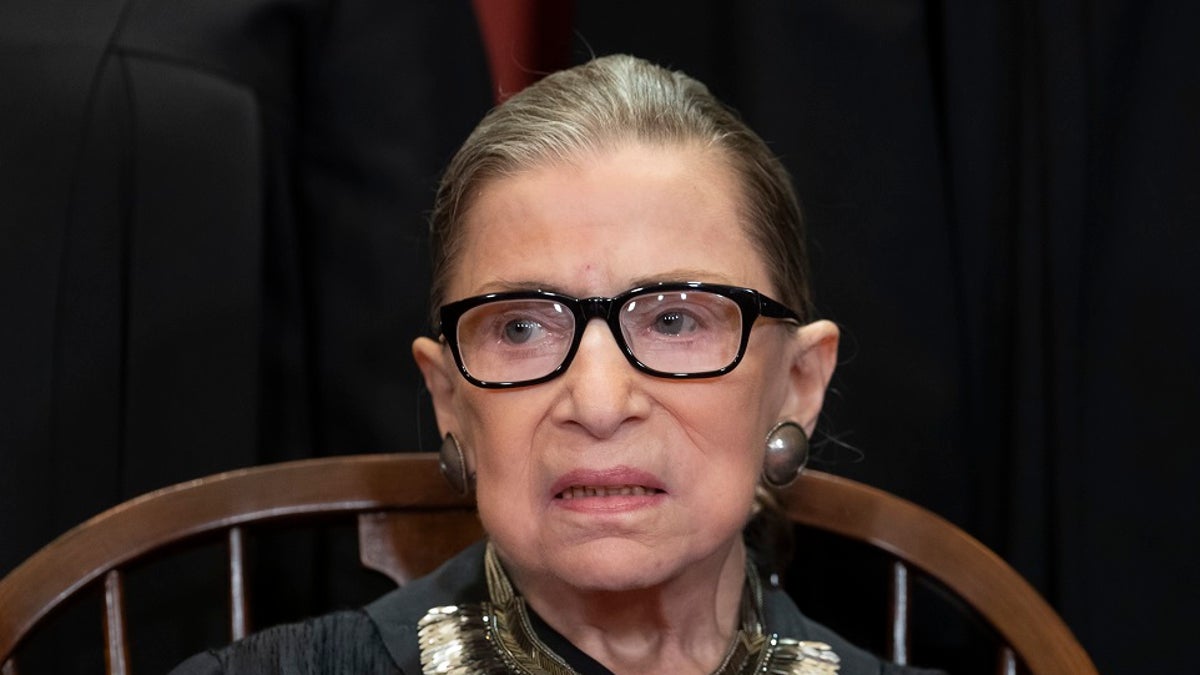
495,638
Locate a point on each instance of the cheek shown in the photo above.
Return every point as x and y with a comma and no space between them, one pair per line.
729,418
767,375
742,405
497,431
726,424
499,439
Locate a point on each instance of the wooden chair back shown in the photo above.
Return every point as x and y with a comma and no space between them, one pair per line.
409,521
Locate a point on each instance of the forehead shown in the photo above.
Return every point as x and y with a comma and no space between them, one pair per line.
607,221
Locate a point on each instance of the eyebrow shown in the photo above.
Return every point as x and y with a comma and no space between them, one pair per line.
671,276
682,275
507,285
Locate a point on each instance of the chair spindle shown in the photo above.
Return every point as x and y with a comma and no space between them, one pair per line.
1006,663
239,612
898,594
116,645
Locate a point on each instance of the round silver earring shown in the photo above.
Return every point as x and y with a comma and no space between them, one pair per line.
787,454
453,465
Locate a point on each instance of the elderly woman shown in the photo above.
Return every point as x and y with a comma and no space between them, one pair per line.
626,354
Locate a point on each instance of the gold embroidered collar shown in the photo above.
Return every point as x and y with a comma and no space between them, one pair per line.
495,638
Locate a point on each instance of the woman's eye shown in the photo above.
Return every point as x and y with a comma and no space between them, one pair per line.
520,331
674,323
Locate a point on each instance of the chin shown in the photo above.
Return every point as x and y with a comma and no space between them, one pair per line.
609,580
616,566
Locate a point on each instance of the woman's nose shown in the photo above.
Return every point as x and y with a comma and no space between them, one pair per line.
602,386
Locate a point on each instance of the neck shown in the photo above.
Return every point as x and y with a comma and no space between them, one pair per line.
683,624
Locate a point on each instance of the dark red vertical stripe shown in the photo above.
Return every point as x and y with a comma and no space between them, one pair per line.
524,39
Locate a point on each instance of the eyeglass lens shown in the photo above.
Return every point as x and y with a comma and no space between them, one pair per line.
675,332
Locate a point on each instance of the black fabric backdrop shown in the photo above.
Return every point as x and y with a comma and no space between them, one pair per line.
211,256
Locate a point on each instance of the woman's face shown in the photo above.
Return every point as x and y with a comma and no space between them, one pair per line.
597,227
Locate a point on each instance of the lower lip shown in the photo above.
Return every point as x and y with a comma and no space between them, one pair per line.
610,504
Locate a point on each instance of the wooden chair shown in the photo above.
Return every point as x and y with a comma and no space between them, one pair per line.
409,521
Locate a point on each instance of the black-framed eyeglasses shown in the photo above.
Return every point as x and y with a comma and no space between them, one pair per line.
672,330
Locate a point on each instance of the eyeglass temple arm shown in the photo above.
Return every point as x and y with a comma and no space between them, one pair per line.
776,310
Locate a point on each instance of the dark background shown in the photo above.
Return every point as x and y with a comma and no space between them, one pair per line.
212,255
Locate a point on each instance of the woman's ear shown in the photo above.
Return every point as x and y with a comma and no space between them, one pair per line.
813,359
438,369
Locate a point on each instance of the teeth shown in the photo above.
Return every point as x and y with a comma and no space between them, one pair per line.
580,491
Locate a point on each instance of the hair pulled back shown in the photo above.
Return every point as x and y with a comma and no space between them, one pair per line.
602,104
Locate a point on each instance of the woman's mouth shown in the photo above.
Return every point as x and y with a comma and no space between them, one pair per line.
584,491
610,489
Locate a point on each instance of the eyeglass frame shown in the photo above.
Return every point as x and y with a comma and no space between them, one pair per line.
750,302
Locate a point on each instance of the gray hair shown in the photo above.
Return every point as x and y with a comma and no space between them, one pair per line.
599,105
